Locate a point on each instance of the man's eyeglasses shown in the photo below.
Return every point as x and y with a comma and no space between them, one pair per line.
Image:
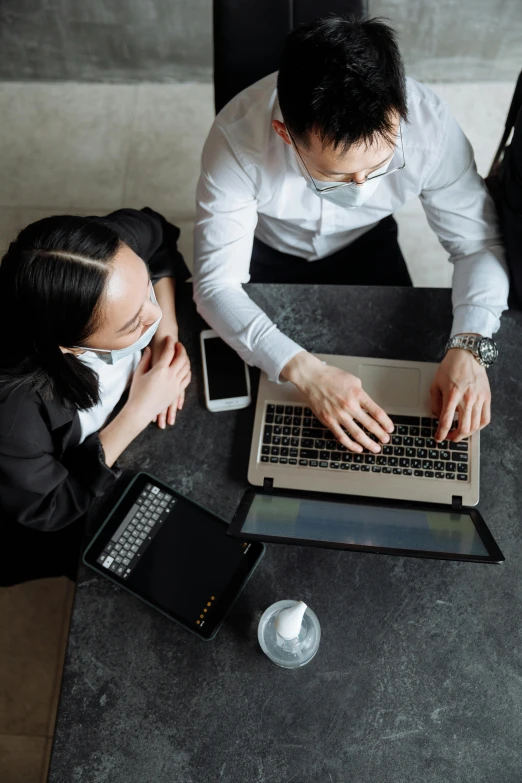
340,185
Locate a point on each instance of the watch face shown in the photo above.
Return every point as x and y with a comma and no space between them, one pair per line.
488,350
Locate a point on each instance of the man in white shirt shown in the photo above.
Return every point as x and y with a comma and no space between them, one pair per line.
301,173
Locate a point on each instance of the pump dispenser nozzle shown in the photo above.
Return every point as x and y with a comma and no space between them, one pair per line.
289,633
288,622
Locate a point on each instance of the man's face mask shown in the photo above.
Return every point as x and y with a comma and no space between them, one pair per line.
348,194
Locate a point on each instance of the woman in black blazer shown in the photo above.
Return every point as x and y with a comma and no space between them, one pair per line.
79,298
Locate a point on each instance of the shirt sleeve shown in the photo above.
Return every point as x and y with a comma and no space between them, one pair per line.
461,212
224,235
41,492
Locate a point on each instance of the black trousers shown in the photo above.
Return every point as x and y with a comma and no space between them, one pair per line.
373,259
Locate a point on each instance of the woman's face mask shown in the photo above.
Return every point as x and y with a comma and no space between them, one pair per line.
115,355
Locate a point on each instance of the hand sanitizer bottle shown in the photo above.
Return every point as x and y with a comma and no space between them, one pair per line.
289,633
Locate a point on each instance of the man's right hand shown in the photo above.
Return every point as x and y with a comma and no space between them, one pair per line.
339,401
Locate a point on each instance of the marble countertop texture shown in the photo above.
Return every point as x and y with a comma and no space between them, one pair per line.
419,672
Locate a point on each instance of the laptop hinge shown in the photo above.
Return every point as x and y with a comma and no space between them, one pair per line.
268,484
456,503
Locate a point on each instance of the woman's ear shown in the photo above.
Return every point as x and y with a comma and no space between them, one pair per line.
280,129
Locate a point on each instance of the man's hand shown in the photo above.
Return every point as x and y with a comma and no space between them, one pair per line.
338,400
462,385
168,416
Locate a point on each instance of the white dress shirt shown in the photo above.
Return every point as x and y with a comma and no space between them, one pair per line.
113,380
251,184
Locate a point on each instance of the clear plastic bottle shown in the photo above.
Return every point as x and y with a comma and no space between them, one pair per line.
273,630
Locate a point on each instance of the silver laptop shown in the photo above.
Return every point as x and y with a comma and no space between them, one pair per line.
292,449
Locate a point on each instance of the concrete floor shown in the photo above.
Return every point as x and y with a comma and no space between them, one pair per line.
90,149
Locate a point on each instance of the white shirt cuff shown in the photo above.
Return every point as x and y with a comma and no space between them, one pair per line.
272,355
469,319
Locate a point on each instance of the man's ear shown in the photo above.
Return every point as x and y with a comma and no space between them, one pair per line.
280,129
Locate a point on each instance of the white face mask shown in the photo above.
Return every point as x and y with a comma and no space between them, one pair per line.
348,194
112,356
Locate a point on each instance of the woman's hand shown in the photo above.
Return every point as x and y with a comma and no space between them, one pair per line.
168,415
155,387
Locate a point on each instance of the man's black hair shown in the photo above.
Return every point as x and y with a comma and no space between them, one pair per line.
342,78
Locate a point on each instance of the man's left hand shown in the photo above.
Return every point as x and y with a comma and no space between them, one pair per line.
168,416
460,384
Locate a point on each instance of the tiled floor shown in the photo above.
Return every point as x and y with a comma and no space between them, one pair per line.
89,149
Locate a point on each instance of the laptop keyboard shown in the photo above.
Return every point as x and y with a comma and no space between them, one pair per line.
131,539
291,435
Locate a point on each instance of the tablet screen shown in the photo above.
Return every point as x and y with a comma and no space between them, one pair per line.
363,525
184,564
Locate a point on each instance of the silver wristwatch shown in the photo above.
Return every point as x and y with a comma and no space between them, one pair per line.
483,349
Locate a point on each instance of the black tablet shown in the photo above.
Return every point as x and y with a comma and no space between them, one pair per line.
365,525
173,554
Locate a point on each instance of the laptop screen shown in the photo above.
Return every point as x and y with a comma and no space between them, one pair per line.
426,530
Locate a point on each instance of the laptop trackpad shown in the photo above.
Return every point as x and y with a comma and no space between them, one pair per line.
391,386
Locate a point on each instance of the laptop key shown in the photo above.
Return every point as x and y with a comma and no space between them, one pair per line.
365,468
303,462
313,463
396,440
347,457
358,458
382,461
280,409
355,467
427,464
270,408
336,456
406,472
298,411
294,442
286,441
418,473
319,444
276,440
410,452
309,454
462,445
461,477
439,474
398,451
404,463
462,468
425,432
451,467
324,455
422,453
334,465
296,431
433,454
287,431
284,452
307,443
450,476
404,419
309,432
376,469
459,456
292,462
323,464
393,461
425,421
439,466
428,473
397,471
369,459
444,455
275,451
274,459
386,469
278,420
402,429
283,461
344,466
288,421
294,453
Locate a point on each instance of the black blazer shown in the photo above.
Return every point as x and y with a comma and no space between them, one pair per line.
47,479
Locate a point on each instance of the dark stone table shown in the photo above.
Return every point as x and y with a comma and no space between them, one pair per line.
419,672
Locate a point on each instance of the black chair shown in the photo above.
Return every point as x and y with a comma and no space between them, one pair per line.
249,36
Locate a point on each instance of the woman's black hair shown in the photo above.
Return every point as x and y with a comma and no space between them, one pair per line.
52,279
343,78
